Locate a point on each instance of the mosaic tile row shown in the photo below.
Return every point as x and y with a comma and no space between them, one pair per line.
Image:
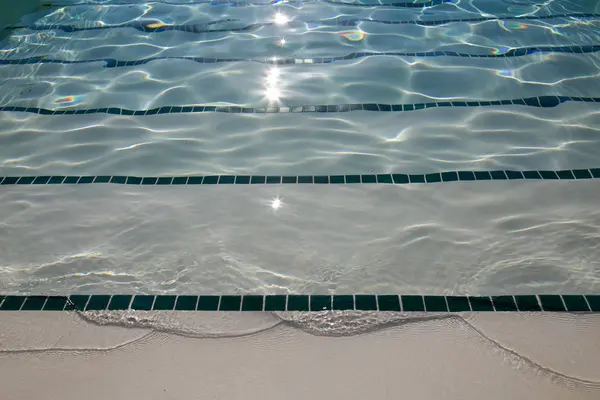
439,177
363,302
542,101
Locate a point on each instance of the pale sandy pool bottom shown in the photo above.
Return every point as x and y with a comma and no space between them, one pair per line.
464,356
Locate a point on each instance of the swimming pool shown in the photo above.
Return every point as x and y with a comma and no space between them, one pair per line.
440,147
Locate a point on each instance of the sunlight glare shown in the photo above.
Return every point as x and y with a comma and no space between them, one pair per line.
280,19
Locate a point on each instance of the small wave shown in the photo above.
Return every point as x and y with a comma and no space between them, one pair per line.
194,325
223,325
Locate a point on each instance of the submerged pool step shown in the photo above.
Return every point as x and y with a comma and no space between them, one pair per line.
361,302
398,179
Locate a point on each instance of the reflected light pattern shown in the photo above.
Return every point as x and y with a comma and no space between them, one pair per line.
69,100
154,25
353,36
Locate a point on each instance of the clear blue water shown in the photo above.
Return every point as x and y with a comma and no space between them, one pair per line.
515,241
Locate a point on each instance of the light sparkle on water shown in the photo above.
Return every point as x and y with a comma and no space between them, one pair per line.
276,203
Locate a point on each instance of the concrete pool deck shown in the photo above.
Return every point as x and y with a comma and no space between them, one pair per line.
208,355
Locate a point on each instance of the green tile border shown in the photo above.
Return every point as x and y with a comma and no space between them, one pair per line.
382,179
304,303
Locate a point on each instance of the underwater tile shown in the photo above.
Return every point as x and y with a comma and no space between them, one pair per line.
324,179
435,303
368,178
343,302
458,303
186,303
289,179
208,303
565,174
400,178
433,178
120,302
532,175
252,303
131,180
413,303
78,302
366,302
384,178
34,303
275,302
98,302
195,180
210,180
548,174
417,178
118,179
320,302
575,303
504,303
337,179
257,179
56,180
227,179
230,303
149,181
481,303
594,302
142,302
242,180
551,302
25,180
12,303
297,302
450,176
527,303
498,175
102,179
164,302
582,174
388,302
482,175
305,179
352,178
55,303
41,180
164,181
514,174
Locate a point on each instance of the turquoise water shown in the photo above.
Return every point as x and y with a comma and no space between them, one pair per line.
303,32
279,64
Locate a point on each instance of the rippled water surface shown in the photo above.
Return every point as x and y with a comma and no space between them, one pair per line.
281,55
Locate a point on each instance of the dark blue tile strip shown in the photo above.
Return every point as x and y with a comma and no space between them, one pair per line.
399,179
363,302
541,101
114,63
233,3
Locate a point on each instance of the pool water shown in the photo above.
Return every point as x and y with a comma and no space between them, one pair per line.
163,89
